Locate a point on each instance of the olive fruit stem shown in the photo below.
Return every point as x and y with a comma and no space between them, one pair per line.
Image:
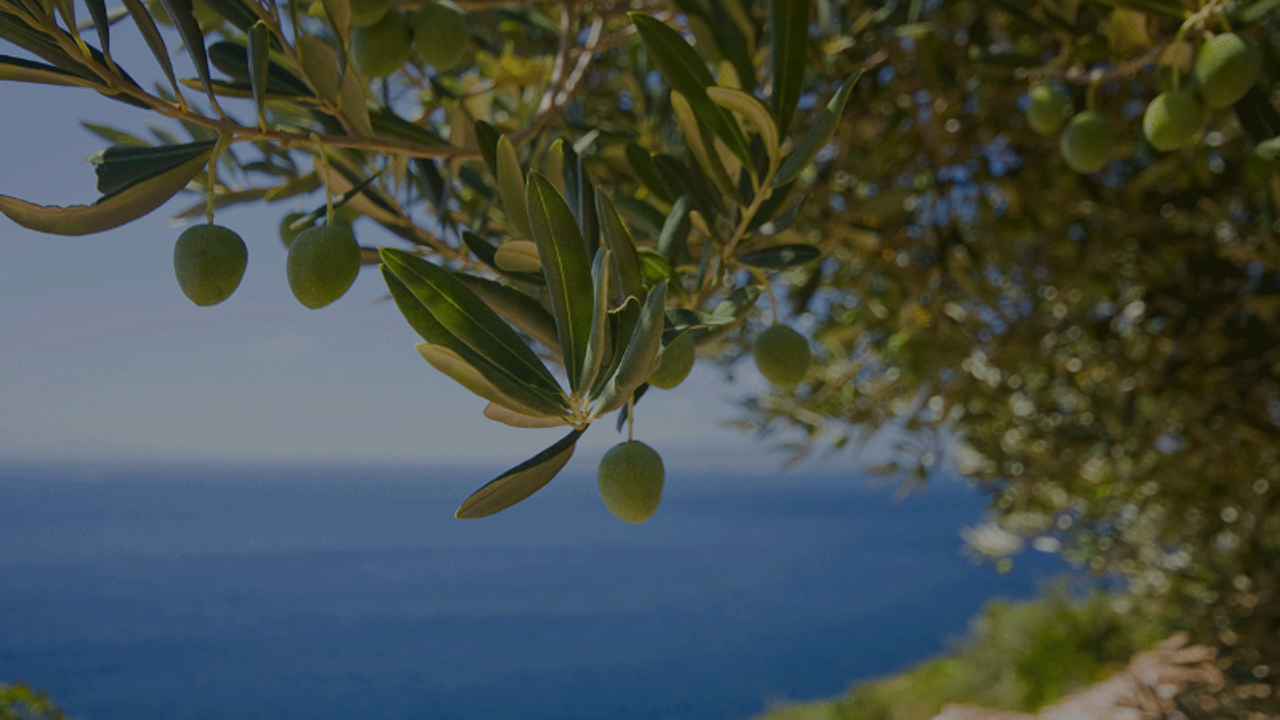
631,415
324,168
211,174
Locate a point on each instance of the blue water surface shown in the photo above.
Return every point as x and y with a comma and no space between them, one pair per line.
297,593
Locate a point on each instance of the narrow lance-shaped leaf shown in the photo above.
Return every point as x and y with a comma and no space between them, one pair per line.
790,47
339,14
110,211
754,111
236,12
464,371
123,165
641,162
511,188
640,357
622,324
524,313
155,42
701,145
487,137
579,192
566,267
818,136
520,481
617,239
234,59
182,12
599,320
101,23
518,256
468,318
259,47
673,242
505,415
686,72
781,256
421,319
20,70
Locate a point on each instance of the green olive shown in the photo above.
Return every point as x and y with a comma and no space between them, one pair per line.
1047,110
675,362
630,479
209,262
440,34
1172,120
782,356
384,47
368,12
1225,68
323,263
1087,143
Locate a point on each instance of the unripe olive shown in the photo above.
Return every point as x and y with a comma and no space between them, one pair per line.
1172,119
782,356
1225,68
368,12
1087,142
630,479
1047,110
675,362
287,234
323,263
209,262
440,34
384,47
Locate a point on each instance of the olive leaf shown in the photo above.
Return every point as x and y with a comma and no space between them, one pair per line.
128,203
579,193
600,271
641,162
566,268
511,188
513,418
466,371
687,73
518,256
259,51
789,48
673,242
754,111
469,318
524,391
120,166
182,12
101,23
617,240
155,42
781,256
521,481
20,70
524,313
818,136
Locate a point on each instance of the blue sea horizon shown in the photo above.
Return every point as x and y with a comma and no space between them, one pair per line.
253,591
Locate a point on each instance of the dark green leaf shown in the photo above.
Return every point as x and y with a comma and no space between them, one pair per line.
566,267
233,59
687,73
510,178
790,48
487,137
469,318
622,324
682,181
654,266
123,165
524,391
236,12
110,211
630,281
112,135
386,122
151,35
781,256
641,162
19,70
183,15
645,219
520,481
818,136
101,23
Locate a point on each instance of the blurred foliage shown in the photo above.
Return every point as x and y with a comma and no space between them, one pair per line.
19,702
1018,656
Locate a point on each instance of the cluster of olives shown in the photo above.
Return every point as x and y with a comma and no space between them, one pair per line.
1225,67
209,262
383,38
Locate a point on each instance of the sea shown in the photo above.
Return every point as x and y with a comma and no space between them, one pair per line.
206,591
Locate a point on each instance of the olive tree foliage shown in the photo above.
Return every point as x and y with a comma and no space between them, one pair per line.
1100,351
574,185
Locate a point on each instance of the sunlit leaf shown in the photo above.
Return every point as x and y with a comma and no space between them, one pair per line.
20,70
518,256
596,347
507,416
617,239
511,188
466,372
524,313
641,356
520,481
672,243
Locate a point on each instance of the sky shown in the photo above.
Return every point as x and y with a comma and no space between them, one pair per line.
103,358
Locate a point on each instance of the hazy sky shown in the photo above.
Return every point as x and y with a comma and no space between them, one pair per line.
101,356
